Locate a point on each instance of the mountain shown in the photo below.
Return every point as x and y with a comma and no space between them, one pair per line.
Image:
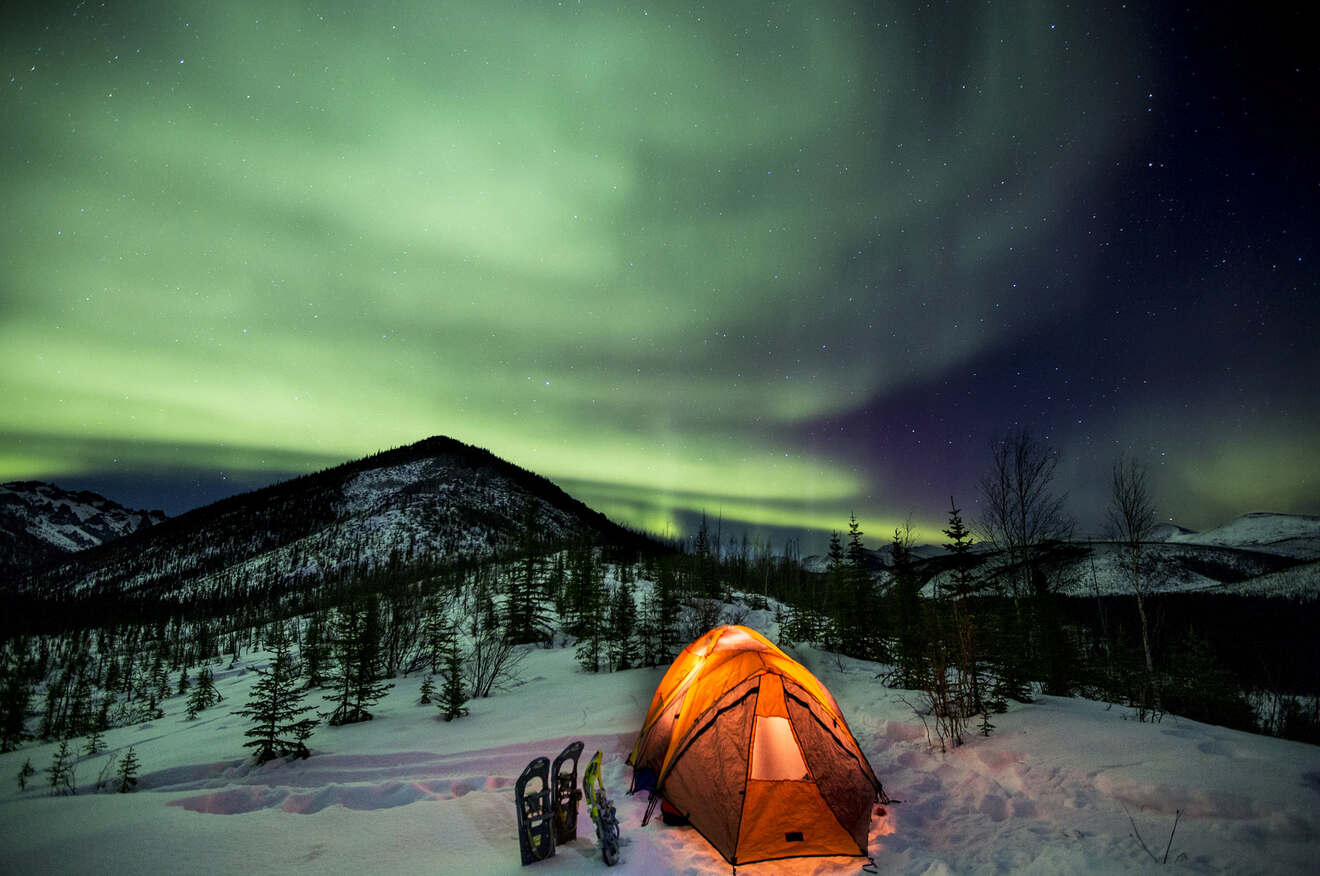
1258,554
1288,535
41,524
419,507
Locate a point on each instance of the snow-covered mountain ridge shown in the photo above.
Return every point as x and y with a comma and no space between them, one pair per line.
433,502
1288,535
39,522
1259,554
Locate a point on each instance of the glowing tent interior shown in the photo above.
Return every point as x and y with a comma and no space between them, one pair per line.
753,750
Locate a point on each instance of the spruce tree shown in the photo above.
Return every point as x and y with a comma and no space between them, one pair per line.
525,614
314,653
153,711
657,629
356,680
912,642
556,585
60,772
427,691
648,630
592,619
79,718
578,587
275,707
837,602
204,695
15,697
668,605
622,624
452,694
858,627
103,712
112,675
128,771
95,743
968,664
160,680
704,566
435,631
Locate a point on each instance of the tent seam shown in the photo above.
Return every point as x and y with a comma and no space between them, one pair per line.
751,741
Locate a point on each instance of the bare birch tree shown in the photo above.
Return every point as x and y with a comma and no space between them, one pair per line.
1021,511
1131,517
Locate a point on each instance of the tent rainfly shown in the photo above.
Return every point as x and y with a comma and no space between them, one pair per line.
753,750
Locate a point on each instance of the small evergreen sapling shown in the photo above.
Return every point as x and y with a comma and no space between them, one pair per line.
25,773
95,744
427,691
204,695
128,771
60,772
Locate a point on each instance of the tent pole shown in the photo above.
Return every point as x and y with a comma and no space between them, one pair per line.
651,803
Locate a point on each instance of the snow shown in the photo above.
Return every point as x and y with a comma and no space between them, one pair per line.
440,508
1061,786
1289,535
67,520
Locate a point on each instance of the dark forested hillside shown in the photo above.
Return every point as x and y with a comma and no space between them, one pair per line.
431,503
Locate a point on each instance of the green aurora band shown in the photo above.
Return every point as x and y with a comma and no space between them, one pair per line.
623,248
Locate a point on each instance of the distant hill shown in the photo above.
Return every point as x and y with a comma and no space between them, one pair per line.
1288,535
431,503
41,524
1259,554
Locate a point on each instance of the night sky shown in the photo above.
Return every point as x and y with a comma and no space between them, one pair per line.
778,262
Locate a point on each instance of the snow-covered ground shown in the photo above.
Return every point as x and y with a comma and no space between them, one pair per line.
1289,535
1062,786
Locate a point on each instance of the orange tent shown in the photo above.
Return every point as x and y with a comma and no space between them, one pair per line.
752,748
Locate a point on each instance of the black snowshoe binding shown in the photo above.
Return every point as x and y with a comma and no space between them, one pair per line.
602,812
566,795
536,837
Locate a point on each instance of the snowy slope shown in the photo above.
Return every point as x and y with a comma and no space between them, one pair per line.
67,520
1289,535
1257,554
1100,568
41,522
1063,786
432,502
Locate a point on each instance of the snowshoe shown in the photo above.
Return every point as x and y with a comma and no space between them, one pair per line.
602,812
536,838
566,795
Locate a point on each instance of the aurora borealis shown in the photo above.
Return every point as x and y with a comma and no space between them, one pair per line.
776,262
